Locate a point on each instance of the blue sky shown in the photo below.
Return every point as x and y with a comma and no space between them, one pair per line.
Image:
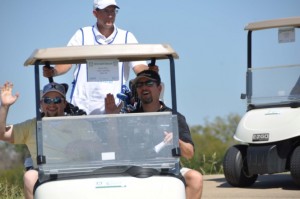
209,37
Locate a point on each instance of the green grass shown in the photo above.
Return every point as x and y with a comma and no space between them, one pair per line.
205,164
10,191
11,183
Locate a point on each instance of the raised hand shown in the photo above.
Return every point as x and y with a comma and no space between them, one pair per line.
7,98
110,105
48,71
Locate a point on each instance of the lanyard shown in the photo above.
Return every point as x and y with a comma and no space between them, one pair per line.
113,39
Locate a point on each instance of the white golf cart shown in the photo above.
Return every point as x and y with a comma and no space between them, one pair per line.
107,156
269,132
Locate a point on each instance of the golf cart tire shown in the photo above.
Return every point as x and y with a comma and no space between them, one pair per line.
295,165
235,169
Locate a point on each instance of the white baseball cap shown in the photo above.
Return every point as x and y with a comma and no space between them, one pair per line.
101,4
54,87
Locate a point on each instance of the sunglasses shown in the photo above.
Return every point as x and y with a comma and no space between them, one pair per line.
56,100
148,83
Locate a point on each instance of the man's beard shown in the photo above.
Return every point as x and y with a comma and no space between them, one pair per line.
147,100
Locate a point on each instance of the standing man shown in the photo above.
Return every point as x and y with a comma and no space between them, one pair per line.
90,96
148,88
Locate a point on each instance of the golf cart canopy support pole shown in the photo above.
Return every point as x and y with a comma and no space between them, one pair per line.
173,84
39,157
37,90
249,66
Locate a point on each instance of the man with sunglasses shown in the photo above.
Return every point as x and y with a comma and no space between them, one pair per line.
148,88
89,96
53,103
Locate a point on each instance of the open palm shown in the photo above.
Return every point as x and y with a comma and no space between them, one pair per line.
6,94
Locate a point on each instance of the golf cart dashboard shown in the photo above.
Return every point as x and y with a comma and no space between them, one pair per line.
292,104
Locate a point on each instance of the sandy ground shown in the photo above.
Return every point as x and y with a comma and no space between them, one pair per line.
266,187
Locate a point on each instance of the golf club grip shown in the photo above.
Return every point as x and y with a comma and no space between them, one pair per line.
48,66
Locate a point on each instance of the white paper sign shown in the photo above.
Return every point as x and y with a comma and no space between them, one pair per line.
108,156
102,70
286,35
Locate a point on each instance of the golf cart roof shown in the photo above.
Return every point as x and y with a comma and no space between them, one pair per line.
122,52
275,23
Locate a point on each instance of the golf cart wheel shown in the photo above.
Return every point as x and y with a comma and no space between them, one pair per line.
295,165
235,168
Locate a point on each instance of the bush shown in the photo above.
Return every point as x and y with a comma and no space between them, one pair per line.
211,143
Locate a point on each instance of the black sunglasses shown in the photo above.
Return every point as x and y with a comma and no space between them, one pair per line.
148,83
56,100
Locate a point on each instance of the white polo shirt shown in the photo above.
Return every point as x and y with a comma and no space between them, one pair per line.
90,96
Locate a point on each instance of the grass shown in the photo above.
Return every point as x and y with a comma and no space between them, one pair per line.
11,183
10,191
207,165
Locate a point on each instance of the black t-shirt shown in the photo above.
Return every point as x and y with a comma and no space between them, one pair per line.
183,128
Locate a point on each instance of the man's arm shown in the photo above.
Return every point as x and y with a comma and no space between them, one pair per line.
6,132
139,68
59,69
185,139
186,149
7,99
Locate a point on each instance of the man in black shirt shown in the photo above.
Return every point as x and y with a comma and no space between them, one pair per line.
148,88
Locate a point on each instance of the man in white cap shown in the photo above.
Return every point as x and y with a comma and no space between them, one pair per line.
90,96
53,104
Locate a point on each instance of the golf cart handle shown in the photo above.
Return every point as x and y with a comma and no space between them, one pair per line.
48,66
152,63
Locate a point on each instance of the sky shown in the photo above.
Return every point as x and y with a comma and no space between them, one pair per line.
208,36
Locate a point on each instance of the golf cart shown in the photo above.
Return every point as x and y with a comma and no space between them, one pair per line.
112,155
269,132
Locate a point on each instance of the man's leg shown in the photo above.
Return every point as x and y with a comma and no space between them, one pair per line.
30,178
194,183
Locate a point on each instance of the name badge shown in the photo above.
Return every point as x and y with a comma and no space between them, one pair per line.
286,35
102,70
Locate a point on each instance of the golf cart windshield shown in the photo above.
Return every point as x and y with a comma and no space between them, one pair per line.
106,143
273,68
275,85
